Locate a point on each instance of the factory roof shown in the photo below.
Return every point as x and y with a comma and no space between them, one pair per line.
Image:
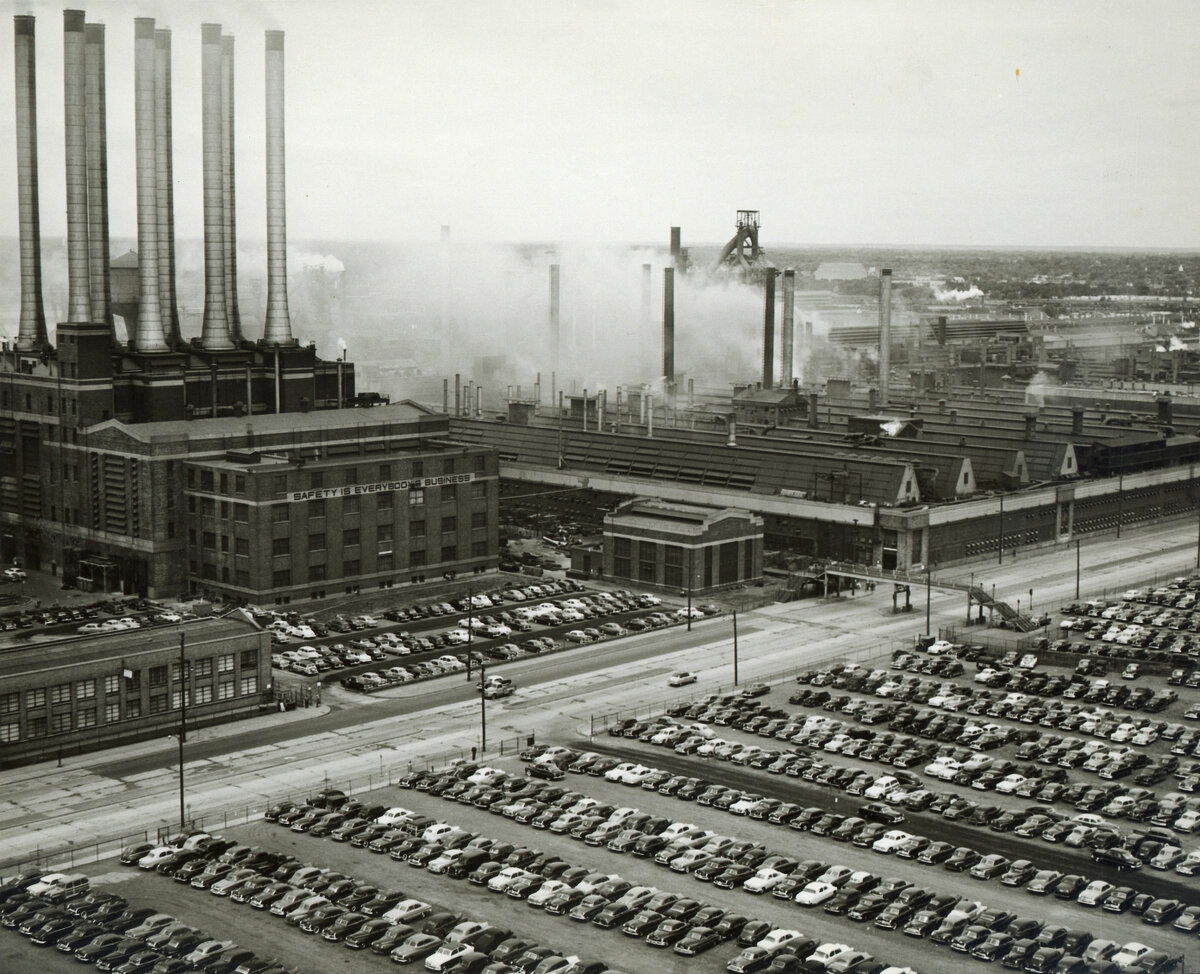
268,424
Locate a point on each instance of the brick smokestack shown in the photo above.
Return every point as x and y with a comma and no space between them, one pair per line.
277,329
79,299
676,248
215,332
669,328
768,362
165,187
228,190
96,133
148,337
555,323
885,333
31,334
788,337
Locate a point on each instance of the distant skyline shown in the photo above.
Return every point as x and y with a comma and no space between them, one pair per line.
899,123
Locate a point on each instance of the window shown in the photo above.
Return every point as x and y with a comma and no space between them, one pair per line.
112,684
10,733
204,694
175,698
480,463
35,698
187,671
60,723
316,478
133,708
448,465
191,477
224,483
209,542
449,524
281,546
112,713
479,519
280,483
241,578
350,538
225,691
158,704
416,498
416,529
225,663
385,563
416,559
352,505
316,508
158,676
280,513
316,573
249,684
241,547
85,718
225,543
206,480
418,468
383,534
449,552
478,549
383,502
208,507
35,727
239,483
385,471
10,703
281,579
316,542
351,475
60,693
352,567
449,493
134,682
241,513
478,490
250,659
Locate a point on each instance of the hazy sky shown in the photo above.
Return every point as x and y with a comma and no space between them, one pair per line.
1013,122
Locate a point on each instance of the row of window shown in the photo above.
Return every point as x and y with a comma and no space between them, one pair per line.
221,483
83,718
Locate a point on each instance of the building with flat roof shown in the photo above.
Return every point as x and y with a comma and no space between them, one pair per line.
82,693
682,547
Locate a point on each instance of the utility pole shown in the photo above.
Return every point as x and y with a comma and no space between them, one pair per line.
689,607
182,729
927,602
1077,563
1001,546
735,651
482,708
470,628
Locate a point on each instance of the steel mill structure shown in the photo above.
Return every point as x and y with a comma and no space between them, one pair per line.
226,464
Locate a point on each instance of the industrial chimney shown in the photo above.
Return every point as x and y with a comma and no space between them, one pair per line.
788,336
676,248
669,328
79,300
768,361
165,183
885,333
215,332
233,316
277,329
554,316
96,135
149,335
31,334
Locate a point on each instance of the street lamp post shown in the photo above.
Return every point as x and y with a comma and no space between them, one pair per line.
927,601
735,649
1000,560
1077,563
482,708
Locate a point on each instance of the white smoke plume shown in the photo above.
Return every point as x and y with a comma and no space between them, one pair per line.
951,296
314,261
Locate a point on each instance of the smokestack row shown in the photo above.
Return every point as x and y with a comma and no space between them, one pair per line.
669,328
85,143
788,336
768,360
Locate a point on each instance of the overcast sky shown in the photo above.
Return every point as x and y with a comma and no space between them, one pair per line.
1021,122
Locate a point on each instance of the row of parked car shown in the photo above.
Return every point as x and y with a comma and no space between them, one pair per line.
891,903
103,929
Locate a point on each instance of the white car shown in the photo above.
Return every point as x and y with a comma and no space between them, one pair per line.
1094,892
682,678
816,893
827,952
92,627
881,787
764,881
394,816
778,939
407,910
889,842
1189,821
541,896
1130,954
156,855
1010,783
446,955
14,574
636,775
614,774
505,878
50,880
458,637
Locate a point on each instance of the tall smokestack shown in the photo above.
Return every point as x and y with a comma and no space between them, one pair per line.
647,328
554,315
79,301
31,334
149,335
768,362
788,336
885,333
669,328
676,248
228,193
215,332
96,134
277,329
166,189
